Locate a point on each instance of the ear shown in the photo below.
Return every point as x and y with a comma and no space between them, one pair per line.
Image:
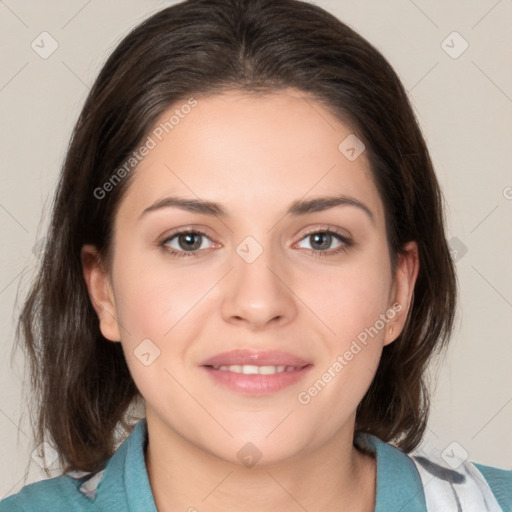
402,291
100,290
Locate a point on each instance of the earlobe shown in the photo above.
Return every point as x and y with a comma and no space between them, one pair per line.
402,294
100,292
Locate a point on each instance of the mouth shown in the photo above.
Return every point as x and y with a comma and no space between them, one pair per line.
249,369
256,373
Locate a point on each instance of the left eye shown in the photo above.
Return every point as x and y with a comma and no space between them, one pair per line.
322,241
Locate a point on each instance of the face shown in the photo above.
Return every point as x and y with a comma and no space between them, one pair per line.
258,310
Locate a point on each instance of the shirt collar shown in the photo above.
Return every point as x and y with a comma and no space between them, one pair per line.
399,486
125,484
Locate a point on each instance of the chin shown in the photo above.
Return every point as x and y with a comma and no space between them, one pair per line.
255,447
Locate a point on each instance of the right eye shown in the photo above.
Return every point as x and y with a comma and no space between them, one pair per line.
185,243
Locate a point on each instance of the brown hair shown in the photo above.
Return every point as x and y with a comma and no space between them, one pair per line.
82,385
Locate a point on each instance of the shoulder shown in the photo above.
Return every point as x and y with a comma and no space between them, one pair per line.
500,482
56,494
429,478
450,478
122,481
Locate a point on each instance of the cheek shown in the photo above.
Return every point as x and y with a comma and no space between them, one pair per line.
152,297
350,298
162,309
356,310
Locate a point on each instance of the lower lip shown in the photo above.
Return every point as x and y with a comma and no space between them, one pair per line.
257,384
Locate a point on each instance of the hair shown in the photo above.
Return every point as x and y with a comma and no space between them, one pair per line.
80,381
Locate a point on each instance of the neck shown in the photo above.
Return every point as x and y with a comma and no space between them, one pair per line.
336,476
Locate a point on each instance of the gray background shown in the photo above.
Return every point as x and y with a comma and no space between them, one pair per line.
463,102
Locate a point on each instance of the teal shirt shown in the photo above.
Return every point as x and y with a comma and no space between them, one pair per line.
123,486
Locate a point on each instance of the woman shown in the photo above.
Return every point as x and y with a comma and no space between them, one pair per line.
248,242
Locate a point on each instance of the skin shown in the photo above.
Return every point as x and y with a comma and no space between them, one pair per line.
254,156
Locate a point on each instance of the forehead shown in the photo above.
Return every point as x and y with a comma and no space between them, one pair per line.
251,152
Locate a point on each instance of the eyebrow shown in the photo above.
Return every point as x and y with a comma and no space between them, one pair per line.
297,208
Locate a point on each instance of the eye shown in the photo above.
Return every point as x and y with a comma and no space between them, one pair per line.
320,242
186,243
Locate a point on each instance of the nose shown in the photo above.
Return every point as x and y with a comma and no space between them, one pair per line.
257,293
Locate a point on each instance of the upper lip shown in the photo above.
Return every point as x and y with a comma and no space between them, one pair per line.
255,357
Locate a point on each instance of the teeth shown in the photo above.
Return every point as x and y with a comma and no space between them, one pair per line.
249,369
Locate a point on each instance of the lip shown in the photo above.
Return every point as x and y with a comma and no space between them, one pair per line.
255,357
256,384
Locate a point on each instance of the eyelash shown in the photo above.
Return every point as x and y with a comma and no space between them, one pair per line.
346,243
